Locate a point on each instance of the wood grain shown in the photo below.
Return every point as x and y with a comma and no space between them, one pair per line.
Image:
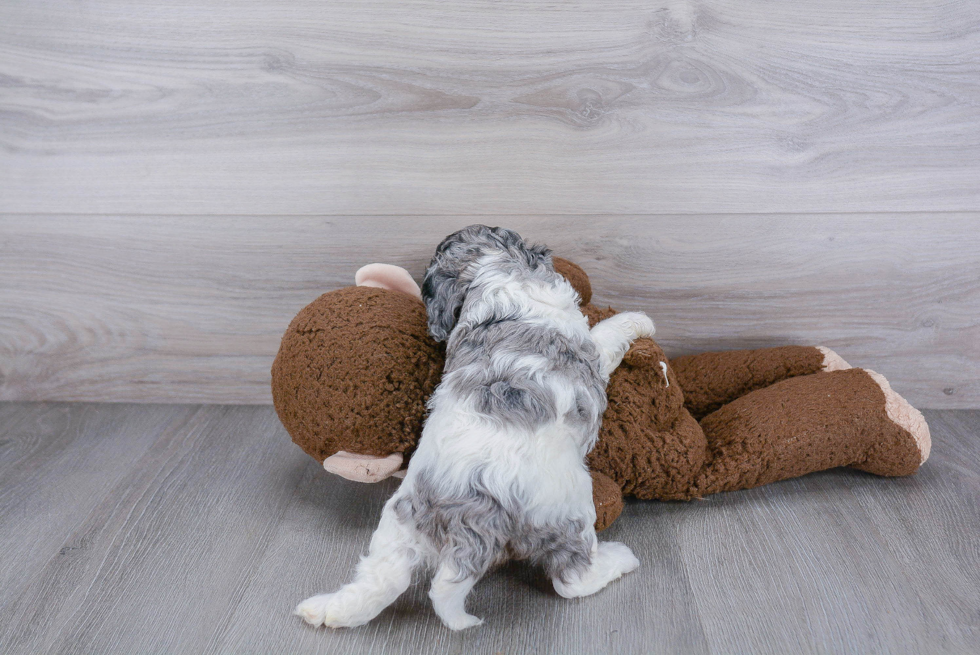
60,463
191,309
175,534
136,528
403,108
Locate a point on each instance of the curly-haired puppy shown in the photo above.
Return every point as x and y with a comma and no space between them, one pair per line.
500,469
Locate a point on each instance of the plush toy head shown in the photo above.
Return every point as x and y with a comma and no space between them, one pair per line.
356,367
354,371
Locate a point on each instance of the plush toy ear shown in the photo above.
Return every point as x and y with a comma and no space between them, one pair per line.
387,276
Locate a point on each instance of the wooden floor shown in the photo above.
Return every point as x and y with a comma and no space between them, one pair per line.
196,529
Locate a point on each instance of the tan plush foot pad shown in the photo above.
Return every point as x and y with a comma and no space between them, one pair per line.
832,361
905,416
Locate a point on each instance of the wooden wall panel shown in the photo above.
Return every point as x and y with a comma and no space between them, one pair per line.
191,308
470,107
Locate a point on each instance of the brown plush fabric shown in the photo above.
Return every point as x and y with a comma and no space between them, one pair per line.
576,277
711,380
648,442
354,372
608,499
801,425
596,314
357,366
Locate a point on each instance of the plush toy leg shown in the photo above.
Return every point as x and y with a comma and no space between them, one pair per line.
810,423
711,380
608,499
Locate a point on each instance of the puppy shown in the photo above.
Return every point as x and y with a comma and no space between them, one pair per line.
499,471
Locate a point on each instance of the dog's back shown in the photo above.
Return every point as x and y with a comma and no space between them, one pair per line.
498,471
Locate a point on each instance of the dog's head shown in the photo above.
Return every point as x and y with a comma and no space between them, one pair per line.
457,261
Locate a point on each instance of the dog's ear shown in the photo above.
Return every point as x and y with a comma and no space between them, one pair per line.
449,276
443,293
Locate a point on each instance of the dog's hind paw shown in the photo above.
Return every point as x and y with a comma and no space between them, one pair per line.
313,609
462,622
328,610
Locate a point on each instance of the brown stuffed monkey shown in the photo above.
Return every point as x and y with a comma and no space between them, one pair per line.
357,365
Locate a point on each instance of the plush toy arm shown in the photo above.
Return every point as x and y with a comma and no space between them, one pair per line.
576,277
811,423
710,380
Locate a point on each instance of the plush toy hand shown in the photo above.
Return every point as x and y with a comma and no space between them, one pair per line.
364,468
643,352
646,354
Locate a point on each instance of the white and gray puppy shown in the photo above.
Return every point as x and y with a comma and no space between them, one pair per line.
500,468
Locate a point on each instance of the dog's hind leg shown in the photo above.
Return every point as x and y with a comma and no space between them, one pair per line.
614,335
609,561
448,595
382,576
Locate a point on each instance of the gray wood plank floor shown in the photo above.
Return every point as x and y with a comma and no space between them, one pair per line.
182,528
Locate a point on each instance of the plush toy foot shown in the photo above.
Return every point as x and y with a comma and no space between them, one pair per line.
898,409
847,417
905,417
832,361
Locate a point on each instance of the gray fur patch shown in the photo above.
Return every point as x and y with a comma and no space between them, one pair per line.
473,529
481,366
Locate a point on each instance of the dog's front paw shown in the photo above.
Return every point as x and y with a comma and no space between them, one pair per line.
328,610
638,325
